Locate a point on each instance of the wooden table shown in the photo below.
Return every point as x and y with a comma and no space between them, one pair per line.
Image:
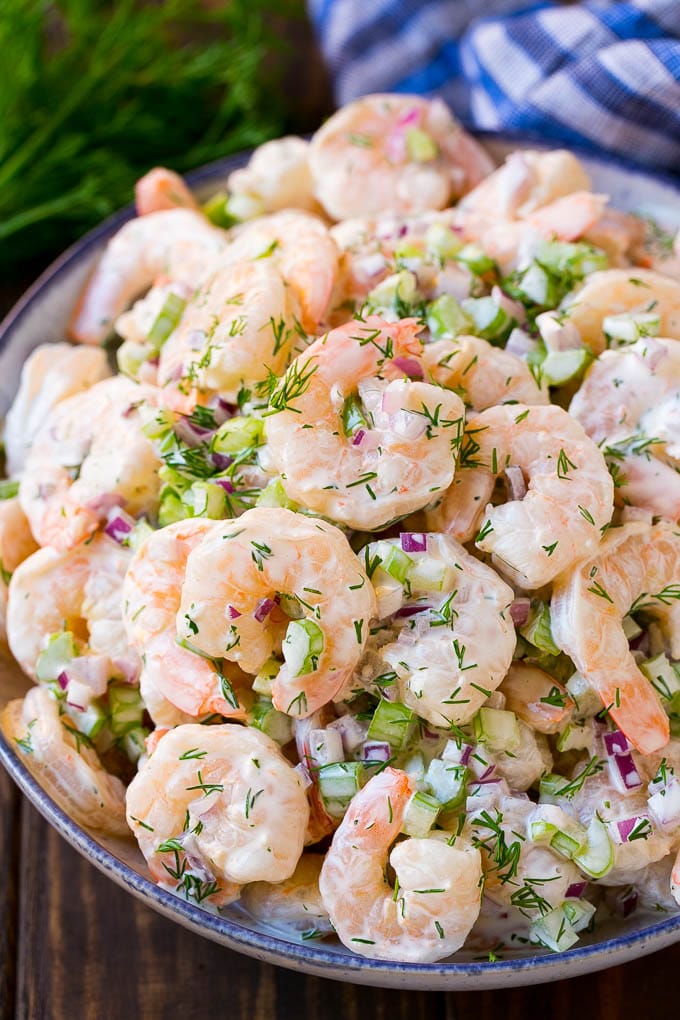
74,946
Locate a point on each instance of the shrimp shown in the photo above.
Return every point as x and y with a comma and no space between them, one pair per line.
162,189
16,544
79,591
320,822
528,180
637,564
393,152
267,553
437,900
301,248
238,326
49,375
71,772
629,403
530,693
293,905
175,677
481,374
570,494
215,808
614,291
177,243
395,463
89,456
276,177
467,615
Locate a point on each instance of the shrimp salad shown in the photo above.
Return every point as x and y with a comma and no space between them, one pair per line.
349,584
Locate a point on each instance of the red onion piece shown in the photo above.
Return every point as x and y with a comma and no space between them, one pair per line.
517,485
263,609
410,118
221,461
406,611
119,525
62,680
410,367
233,613
225,484
190,433
358,436
616,742
520,343
519,611
376,750
413,541
576,890
511,307
306,778
623,772
352,731
625,826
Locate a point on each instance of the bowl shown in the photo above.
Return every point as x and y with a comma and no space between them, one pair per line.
39,317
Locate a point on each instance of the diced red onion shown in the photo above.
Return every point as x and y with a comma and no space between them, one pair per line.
407,611
457,753
410,367
629,902
223,410
413,541
557,335
519,611
233,613
263,609
127,666
119,525
225,484
325,747
304,775
429,734
190,433
622,829
520,343
623,773
221,461
376,750
481,770
664,804
576,890
517,485
410,118
616,742
511,307
62,680
358,436
352,731
392,399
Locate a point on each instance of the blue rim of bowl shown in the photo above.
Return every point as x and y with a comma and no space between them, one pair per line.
313,958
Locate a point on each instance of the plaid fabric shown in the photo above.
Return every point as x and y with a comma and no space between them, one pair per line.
599,75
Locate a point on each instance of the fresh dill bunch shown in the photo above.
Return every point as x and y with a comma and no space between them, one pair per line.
93,93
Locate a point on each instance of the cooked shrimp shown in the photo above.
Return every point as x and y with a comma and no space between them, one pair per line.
301,248
79,591
217,807
481,374
615,291
50,374
277,177
89,456
528,180
238,326
177,243
16,544
629,403
451,655
436,902
320,822
161,189
393,152
398,462
530,694
61,761
172,675
241,565
570,494
635,563
294,904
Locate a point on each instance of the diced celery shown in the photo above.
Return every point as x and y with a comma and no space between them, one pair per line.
302,646
406,250
477,261
421,146
240,207
236,435
291,606
578,912
160,425
442,241
393,559
171,508
130,357
338,783
490,321
448,783
497,729
566,837
549,786
9,488
126,708
90,720
206,499
537,628
54,659
394,291
353,417
560,367
263,682
571,260
133,743
586,698
274,494
427,574
631,628
663,678
446,318
597,857
554,931
420,815
414,766
392,722
275,724
575,736
139,534
216,210
630,326
537,286
167,320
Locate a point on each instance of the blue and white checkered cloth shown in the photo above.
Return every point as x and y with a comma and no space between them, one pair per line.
598,75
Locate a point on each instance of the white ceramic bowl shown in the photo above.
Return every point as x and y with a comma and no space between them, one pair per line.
40,316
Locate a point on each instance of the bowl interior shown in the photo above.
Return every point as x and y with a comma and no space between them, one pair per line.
41,317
